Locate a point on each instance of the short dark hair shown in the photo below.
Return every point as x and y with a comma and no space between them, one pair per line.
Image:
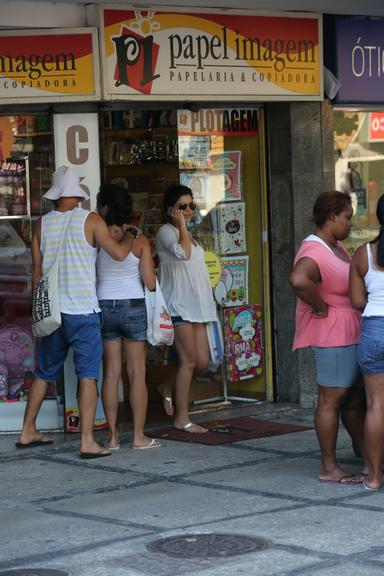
112,195
172,194
328,204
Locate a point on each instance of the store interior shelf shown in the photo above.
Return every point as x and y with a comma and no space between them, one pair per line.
159,164
125,132
19,217
32,134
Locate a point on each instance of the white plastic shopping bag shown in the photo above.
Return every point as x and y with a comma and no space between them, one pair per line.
160,327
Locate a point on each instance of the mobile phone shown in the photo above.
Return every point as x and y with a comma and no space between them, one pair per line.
171,211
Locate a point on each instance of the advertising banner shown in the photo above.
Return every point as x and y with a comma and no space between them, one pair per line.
243,345
376,126
359,59
199,55
218,122
49,65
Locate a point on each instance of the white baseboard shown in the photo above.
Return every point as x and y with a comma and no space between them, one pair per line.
12,414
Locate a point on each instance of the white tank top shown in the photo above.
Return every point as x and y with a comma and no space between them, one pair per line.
118,280
374,283
77,273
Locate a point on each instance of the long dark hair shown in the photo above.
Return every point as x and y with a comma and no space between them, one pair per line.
380,237
329,204
171,196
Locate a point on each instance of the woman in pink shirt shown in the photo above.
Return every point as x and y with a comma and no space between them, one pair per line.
326,322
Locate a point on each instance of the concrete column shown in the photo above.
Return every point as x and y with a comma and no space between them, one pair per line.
300,166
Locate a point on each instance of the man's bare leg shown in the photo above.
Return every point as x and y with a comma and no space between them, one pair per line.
35,399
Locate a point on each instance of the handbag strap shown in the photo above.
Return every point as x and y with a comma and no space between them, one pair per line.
62,238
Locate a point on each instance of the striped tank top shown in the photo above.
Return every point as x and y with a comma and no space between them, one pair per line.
77,271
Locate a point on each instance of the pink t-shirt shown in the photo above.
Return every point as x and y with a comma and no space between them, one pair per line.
342,325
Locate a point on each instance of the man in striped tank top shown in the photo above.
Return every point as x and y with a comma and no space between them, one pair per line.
80,328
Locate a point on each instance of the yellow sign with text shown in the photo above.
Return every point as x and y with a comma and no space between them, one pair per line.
222,55
212,262
43,65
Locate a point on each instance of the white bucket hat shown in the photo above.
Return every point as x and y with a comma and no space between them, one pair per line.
65,183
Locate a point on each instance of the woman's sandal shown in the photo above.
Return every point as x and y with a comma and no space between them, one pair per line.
153,443
187,428
167,404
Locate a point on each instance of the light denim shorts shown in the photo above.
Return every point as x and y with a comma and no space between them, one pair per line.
370,354
125,319
336,366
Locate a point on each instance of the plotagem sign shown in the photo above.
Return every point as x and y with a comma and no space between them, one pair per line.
46,65
226,56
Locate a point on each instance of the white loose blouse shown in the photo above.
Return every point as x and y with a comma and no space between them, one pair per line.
184,281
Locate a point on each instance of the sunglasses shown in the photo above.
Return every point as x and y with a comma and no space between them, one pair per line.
183,207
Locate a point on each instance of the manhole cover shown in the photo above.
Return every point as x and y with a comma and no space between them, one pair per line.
208,545
34,572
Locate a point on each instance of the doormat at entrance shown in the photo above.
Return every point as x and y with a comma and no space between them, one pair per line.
231,430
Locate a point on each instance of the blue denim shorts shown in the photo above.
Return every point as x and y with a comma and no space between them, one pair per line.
370,355
82,333
336,366
178,321
125,319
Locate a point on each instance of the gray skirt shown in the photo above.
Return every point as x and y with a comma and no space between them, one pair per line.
336,366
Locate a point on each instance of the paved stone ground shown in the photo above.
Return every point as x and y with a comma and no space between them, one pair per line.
97,518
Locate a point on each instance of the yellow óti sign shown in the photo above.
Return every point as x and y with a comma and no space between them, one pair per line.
49,65
212,262
222,55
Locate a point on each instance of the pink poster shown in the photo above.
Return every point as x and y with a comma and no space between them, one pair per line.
228,165
243,347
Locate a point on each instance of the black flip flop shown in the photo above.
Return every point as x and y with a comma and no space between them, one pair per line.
91,456
34,444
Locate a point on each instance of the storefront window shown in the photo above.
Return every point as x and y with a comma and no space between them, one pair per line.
359,168
26,161
215,152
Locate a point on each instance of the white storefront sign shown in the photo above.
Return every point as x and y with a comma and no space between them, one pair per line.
77,146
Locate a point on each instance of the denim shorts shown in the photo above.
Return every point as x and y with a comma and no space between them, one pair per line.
336,366
82,333
178,321
370,354
125,319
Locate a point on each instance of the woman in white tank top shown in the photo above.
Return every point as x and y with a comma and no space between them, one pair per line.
367,294
120,292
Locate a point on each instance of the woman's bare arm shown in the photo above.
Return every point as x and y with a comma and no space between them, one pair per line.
142,249
357,271
305,280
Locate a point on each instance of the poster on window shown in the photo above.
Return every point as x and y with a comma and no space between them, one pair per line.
231,227
198,182
194,152
243,346
226,170
232,288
